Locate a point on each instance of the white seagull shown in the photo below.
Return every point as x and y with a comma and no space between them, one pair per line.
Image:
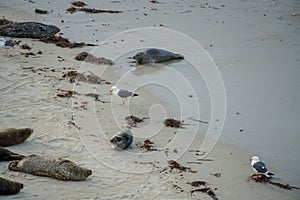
259,167
124,94
7,44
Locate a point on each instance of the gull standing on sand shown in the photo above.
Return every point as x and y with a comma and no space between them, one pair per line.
260,167
124,94
7,44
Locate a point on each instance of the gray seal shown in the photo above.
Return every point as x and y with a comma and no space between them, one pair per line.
121,140
8,187
7,155
13,136
155,56
59,168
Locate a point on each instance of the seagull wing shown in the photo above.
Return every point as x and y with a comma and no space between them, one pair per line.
125,93
260,167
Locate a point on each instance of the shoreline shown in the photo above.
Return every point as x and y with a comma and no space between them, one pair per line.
63,137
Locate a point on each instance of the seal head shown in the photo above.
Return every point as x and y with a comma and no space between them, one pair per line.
121,140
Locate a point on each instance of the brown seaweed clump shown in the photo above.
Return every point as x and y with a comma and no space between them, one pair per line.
64,42
206,190
175,165
73,9
261,178
133,120
148,145
78,3
59,168
87,57
8,187
5,21
170,122
74,75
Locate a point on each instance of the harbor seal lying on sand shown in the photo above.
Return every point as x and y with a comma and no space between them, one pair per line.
121,140
8,187
7,155
12,136
155,56
58,168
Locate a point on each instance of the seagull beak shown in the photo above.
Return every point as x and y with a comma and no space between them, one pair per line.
110,91
250,158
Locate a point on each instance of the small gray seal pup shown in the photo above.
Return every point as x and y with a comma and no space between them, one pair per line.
121,140
59,168
155,56
8,187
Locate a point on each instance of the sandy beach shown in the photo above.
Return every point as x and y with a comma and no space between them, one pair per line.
240,77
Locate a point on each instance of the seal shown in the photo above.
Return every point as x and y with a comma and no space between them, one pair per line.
7,155
8,187
34,30
59,168
12,136
121,140
155,56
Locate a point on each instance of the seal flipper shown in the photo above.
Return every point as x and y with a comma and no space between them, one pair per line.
13,166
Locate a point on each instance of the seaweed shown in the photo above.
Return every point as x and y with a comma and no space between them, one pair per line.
170,122
261,178
175,165
87,57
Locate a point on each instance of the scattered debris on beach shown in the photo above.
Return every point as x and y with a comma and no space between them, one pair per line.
133,120
4,21
148,145
218,175
175,165
67,94
26,46
74,75
261,178
64,42
206,190
78,3
40,11
87,57
197,183
170,122
73,9
197,120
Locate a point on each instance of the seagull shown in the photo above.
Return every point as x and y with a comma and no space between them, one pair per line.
259,167
7,44
122,93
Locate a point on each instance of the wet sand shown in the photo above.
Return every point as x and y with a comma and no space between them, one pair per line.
255,49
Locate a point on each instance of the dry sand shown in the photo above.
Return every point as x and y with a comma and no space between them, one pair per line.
256,49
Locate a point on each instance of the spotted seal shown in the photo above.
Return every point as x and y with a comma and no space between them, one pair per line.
58,168
7,155
121,140
8,187
34,30
12,136
155,56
